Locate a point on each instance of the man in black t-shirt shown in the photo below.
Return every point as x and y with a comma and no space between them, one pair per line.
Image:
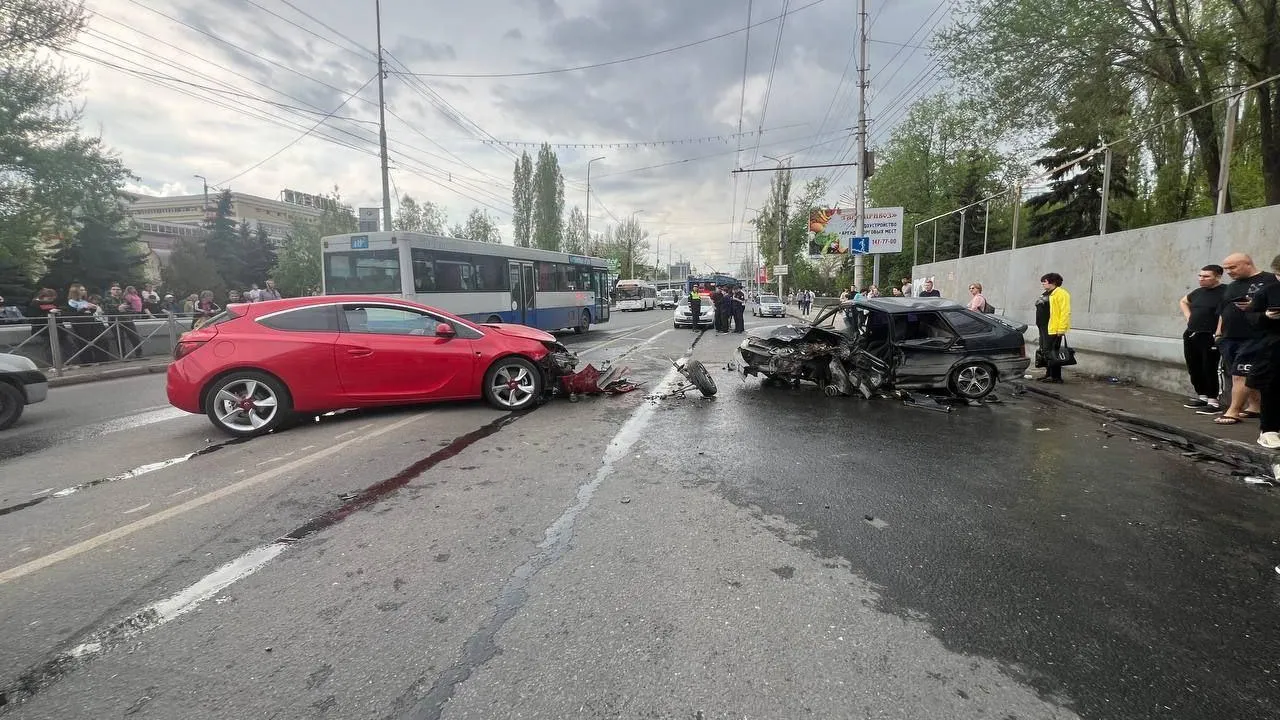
1201,308
1238,334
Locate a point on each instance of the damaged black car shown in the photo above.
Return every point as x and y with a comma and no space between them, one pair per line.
882,345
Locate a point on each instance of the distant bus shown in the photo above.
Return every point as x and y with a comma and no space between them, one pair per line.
636,295
482,282
714,280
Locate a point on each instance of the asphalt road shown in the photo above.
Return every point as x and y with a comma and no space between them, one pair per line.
771,553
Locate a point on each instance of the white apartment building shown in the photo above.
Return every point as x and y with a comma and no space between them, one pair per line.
274,215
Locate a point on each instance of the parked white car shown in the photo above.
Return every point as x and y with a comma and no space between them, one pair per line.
683,318
768,306
21,384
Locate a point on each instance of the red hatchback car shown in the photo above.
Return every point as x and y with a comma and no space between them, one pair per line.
254,366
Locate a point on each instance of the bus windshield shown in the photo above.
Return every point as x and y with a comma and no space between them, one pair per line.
367,271
630,292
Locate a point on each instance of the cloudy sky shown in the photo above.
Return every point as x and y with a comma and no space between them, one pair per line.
228,89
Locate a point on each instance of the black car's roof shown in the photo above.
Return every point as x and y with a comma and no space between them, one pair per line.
897,305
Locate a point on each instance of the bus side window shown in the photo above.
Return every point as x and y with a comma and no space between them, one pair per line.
424,274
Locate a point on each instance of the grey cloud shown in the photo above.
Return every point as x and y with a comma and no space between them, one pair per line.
410,49
513,34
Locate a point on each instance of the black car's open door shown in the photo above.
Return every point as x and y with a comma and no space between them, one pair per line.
925,348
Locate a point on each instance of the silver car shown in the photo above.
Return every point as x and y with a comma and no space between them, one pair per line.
21,384
768,306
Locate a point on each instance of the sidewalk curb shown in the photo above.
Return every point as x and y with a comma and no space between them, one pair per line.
111,374
1232,450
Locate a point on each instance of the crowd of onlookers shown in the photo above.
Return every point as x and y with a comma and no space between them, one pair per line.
92,327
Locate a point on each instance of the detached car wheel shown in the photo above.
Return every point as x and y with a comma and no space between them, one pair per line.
12,403
700,378
513,383
247,403
973,380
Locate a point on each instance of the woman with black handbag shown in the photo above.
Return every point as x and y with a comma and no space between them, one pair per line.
1053,318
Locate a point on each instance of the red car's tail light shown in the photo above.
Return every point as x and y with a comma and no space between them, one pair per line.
186,347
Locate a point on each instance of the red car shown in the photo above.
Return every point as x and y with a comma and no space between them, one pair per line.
254,366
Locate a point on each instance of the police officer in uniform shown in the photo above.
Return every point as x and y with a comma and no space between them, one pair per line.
695,307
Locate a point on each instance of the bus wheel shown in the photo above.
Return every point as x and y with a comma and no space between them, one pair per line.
584,324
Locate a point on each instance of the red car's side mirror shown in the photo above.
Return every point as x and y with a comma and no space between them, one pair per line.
445,330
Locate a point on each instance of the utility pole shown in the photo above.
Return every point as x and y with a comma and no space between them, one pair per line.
657,256
205,180
860,202
588,241
382,121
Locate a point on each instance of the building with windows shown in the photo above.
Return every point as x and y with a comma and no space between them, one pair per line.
276,216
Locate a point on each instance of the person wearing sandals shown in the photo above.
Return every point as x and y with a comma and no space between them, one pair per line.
1053,318
1239,335
1265,373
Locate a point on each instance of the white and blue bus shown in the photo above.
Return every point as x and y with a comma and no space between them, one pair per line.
636,295
482,282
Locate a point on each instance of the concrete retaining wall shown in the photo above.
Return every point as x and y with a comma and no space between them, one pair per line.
1124,287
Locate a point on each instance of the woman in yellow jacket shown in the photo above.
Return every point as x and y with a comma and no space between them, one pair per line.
1053,318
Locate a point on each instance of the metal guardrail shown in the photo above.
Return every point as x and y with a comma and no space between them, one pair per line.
61,342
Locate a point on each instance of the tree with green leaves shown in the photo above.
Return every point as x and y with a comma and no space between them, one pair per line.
575,232
259,257
629,245
481,227
51,174
522,201
104,250
299,257
548,200
191,270
425,217
224,239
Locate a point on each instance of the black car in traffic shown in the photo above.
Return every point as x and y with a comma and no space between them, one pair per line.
886,344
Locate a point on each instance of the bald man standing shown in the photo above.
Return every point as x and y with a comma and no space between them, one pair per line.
1239,335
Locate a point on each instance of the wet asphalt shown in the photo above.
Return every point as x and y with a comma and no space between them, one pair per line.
768,553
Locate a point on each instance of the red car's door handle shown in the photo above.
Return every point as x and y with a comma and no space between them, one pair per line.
359,352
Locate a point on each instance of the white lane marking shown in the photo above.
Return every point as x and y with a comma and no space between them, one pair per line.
304,449
180,603
199,501
140,470
597,346
183,492
365,426
85,527
277,458
38,493
134,510
342,435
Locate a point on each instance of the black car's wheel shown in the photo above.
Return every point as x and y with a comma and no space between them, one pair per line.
245,403
973,380
512,383
584,323
493,319
12,402
700,378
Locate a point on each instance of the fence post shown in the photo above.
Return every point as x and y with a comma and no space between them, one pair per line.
173,331
1106,192
1017,213
55,342
963,214
1228,139
915,249
935,241
986,224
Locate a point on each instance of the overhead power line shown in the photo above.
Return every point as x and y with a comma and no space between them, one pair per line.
645,143
619,61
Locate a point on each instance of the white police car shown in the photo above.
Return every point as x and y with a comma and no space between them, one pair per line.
21,384
768,306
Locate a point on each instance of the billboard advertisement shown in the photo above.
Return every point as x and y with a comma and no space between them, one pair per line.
833,230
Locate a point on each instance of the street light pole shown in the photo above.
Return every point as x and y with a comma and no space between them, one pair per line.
782,220
631,239
205,209
588,230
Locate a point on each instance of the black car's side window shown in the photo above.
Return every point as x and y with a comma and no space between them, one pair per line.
966,324
920,326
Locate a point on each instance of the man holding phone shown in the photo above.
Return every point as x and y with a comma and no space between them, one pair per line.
1239,334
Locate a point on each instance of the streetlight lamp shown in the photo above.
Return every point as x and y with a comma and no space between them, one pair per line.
587,241
631,239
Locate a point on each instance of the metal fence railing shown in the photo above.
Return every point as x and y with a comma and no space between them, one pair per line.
61,342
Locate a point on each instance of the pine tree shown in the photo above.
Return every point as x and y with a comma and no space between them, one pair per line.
259,257
104,250
522,201
548,200
224,241
190,270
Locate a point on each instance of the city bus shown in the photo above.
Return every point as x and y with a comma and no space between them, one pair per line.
636,295
715,280
482,282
